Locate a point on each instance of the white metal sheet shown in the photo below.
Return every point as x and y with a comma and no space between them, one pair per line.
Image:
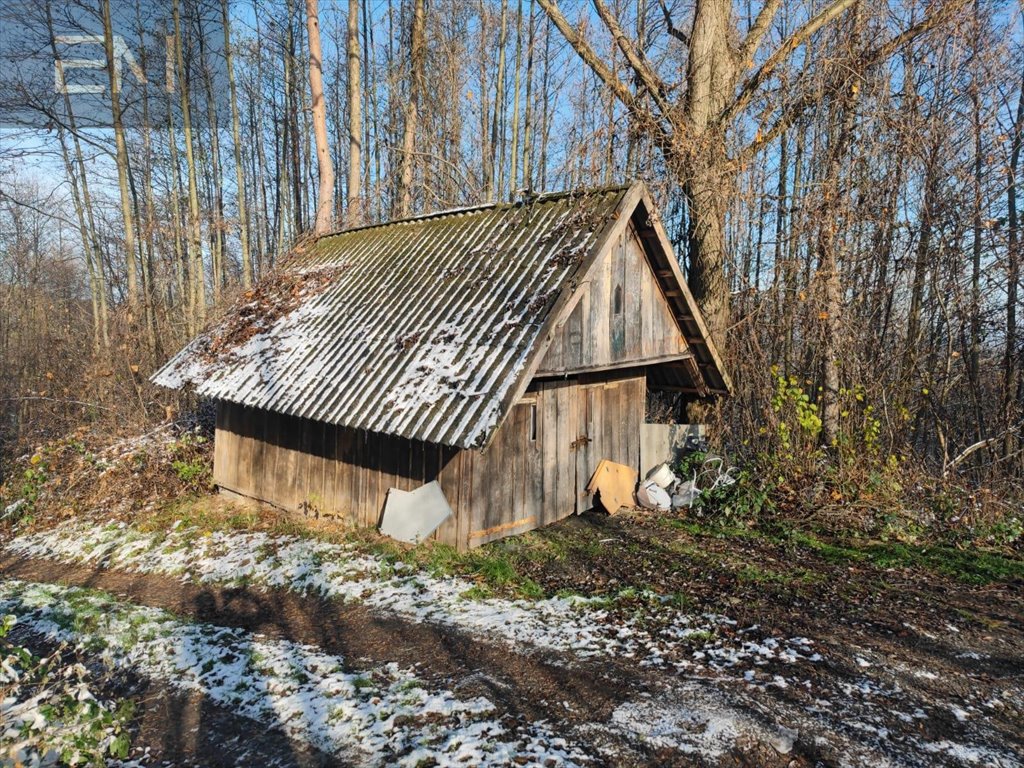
411,516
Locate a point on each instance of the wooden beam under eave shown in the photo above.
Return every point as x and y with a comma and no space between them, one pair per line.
697,375
670,388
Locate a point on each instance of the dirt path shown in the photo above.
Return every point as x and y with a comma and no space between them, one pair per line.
888,689
533,685
572,696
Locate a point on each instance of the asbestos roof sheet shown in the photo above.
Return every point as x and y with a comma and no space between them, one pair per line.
420,328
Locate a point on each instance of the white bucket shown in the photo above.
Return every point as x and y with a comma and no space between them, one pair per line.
662,475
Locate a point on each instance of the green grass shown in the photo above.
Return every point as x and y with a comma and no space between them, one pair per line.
493,567
500,568
834,553
700,637
760,575
971,566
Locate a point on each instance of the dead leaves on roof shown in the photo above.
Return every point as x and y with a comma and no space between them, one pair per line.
258,308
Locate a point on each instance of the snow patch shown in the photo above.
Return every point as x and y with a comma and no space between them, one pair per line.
381,716
707,732
574,625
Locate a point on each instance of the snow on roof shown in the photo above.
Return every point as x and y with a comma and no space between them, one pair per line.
419,328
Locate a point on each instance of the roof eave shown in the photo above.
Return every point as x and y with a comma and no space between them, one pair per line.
716,379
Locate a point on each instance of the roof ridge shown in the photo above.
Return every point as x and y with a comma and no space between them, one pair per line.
534,198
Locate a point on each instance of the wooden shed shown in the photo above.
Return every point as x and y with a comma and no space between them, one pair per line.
502,350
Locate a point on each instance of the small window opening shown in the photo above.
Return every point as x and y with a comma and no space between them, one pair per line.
617,301
533,421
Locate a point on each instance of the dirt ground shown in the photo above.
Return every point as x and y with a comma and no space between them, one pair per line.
184,729
916,664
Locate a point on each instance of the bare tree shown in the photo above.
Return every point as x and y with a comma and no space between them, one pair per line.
691,129
355,113
416,63
325,201
236,139
127,211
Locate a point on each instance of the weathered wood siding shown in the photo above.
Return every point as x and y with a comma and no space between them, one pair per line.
531,475
526,483
621,319
610,414
327,471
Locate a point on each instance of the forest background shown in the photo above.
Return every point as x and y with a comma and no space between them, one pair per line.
839,178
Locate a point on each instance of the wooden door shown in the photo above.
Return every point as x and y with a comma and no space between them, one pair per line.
608,418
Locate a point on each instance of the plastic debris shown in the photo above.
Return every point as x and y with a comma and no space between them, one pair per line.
684,494
652,496
411,516
663,476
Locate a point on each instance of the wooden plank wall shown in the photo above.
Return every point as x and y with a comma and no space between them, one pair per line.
579,423
326,471
622,317
507,497
519,483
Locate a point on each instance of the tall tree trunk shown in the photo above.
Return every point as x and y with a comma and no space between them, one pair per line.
545,115
198,272
148,216
416,63
83,228
121,147
703,164
498,118
1011,361
486,155
236,140
834,195
528,110
325,201
181,263
369,110
84,209
216,188
514,174
355,117
293,136
974,344
977,218
919,278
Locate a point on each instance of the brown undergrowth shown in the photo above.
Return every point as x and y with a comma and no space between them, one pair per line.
96,473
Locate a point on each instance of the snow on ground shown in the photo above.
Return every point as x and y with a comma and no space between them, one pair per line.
377,717
48,713
865,714
572,625
695,726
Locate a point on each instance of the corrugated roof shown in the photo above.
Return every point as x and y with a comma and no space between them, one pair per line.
421,328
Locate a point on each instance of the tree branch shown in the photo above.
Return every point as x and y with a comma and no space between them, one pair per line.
673,30
590,58
663,137
972,449
647,75
757,32
792,112
780,54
